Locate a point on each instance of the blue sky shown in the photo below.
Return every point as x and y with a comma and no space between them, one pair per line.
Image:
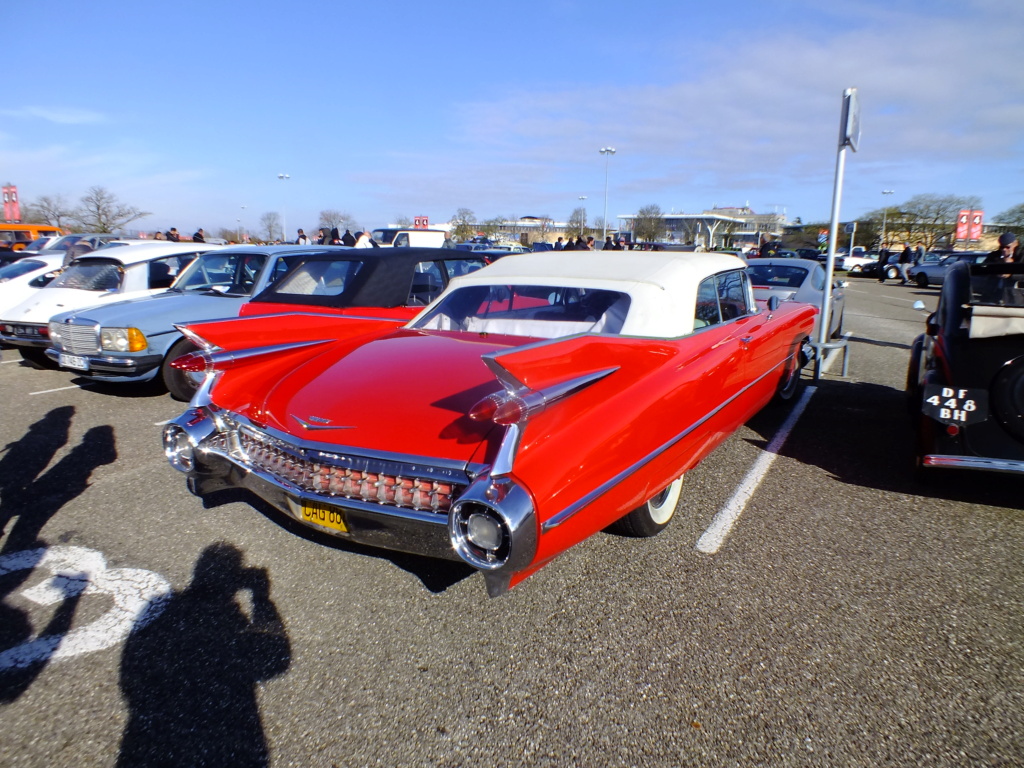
192,109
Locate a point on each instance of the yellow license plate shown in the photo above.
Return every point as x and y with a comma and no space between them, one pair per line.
323,515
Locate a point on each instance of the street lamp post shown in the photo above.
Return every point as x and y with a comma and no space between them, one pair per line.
607,152
885,210
241,229
284,220
583,222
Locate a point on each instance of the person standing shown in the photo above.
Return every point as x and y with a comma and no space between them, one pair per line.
1007,250
301,239
883,262
609,244
348,238
559,244
172,235
159,236
199,236
919,253
363,240
906,259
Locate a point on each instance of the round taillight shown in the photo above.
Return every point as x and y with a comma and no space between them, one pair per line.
485,409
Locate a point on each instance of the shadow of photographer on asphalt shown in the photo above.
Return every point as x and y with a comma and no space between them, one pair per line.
190,676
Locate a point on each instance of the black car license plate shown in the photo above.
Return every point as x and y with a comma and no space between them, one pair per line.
952,405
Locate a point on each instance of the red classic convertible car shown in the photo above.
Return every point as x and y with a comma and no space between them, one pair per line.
535,402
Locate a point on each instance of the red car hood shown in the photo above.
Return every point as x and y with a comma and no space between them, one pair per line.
407,392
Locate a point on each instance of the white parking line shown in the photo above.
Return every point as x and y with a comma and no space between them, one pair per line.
714,537
58,389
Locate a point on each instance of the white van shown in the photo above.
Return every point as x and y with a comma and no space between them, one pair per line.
406,238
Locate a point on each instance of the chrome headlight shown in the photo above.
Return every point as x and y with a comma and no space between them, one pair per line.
55,333
122,340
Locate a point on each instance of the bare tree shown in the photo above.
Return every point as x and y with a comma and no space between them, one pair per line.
1012,218
340,219
925,218
403,222
270,222
492,226
650,223
53,210
463,224
100,211
577,224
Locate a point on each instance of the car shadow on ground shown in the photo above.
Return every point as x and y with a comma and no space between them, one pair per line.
862,434
127,389
435,574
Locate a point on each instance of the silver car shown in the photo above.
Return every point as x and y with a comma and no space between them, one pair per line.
798,280
933,273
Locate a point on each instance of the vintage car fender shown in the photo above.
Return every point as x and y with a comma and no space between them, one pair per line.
654,410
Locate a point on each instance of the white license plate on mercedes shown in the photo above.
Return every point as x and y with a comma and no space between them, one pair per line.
73,361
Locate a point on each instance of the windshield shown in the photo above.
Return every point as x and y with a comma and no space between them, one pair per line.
19,268
222,272
384,236
91,275
535,311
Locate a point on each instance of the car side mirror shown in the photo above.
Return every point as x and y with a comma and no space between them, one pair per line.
773,303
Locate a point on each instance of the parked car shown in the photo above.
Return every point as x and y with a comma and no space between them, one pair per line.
409,238
533,404
799,280
24,277
965,378
853,264
100,277
892,268
134,340
933,272
90,241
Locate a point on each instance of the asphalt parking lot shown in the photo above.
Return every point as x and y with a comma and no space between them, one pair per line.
851,616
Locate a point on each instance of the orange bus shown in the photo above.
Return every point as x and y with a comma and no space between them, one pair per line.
15,237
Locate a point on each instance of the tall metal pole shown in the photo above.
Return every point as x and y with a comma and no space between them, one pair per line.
583,223
885,211
607,152
284,224
849,136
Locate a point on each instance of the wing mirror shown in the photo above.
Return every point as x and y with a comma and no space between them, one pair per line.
773,303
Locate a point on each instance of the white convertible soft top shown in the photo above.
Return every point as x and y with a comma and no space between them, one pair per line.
662,285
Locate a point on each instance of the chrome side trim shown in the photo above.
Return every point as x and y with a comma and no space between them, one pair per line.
974,462
572,509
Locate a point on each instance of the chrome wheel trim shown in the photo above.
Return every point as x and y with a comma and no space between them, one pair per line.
663,506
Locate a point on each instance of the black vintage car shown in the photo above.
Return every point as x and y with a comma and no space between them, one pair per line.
965,381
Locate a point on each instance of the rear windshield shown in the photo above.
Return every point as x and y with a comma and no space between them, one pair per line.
529,310
91,275
775,276
319,278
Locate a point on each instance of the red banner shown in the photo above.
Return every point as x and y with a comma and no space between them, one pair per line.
420,222
962,224
12,208
976,219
